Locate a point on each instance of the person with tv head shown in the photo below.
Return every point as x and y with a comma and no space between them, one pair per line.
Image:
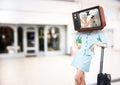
86,41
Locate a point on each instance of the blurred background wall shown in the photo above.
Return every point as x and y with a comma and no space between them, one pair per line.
33,16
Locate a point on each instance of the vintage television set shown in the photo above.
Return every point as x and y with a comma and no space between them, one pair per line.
89,19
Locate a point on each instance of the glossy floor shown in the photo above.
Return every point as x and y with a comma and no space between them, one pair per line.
54,70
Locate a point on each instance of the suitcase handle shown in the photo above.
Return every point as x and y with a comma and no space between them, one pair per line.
102,59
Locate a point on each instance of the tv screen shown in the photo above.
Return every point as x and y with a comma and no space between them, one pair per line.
89,19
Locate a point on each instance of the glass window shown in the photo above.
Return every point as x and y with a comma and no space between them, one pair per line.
30,39
53,39
20,39
6,40
41,38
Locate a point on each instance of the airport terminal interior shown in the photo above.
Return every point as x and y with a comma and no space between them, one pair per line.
37,41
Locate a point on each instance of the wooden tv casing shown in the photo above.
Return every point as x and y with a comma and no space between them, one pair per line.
77,22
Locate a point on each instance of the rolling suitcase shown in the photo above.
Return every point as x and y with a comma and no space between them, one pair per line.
103,78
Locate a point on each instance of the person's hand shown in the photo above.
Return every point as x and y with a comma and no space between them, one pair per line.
93,47
78,45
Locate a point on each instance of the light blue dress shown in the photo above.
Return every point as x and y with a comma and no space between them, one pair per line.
83,56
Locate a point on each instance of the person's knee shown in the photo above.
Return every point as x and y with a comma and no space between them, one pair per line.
77,78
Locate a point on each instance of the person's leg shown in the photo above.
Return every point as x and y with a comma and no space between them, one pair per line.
79,78
83,79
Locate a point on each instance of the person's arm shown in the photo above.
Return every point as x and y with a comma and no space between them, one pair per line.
98,44
78,41
78,45
102,41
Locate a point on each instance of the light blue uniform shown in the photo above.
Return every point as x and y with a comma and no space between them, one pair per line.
82,59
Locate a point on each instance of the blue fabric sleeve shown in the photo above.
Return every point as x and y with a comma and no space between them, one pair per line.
78,36
102,38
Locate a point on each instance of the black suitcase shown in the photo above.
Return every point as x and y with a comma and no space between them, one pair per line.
103,78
